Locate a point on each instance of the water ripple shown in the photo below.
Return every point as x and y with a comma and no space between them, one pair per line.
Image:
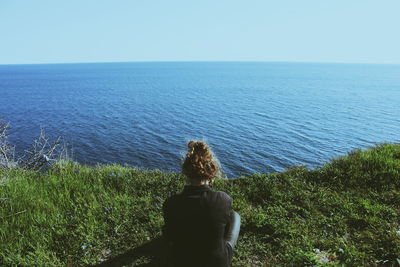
260,117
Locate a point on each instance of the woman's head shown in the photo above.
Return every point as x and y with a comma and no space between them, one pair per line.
200,163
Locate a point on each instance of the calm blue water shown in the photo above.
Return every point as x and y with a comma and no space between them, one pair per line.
258,117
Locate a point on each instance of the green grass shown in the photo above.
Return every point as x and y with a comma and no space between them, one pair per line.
346,212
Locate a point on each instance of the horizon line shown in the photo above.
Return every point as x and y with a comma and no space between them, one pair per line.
200,61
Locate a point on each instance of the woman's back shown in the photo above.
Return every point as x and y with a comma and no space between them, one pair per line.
200,225
195,225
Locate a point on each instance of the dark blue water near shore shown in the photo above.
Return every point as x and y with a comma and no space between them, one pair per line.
258,117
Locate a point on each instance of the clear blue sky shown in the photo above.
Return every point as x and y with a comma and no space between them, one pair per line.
360,31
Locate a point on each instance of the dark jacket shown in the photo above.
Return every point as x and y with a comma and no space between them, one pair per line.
195,226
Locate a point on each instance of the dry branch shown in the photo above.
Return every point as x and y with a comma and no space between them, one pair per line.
42,154
7,152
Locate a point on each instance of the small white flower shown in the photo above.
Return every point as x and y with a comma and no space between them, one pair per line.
340,250
316,250
84,247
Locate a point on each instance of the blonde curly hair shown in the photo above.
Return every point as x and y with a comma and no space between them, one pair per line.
200,163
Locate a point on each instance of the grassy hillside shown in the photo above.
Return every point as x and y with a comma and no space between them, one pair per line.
346,212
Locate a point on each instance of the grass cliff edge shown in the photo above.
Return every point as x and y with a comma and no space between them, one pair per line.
346,212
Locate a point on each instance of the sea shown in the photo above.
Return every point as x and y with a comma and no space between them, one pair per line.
258,117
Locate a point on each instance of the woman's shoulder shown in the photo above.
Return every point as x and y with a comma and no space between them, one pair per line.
223,196
169,201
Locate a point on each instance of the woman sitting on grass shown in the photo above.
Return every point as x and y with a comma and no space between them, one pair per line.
200,225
